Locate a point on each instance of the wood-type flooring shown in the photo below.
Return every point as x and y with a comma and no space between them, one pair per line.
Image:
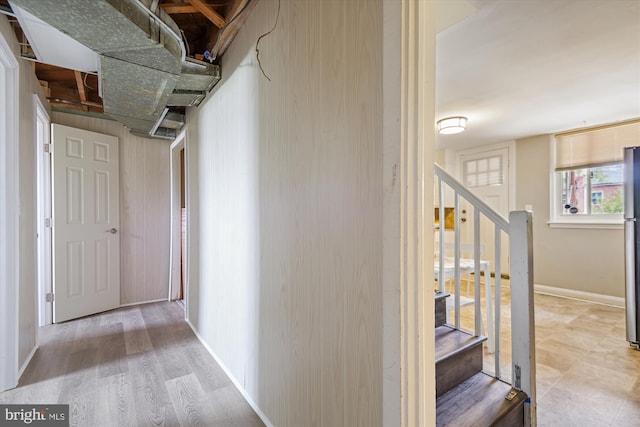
134,366
143,366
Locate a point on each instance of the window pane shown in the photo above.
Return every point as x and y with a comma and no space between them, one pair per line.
594,191
484,171
596,197
574,185
471,166
606,190
495,163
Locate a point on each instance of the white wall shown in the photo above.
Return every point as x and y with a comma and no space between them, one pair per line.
586,260
144,208
26,251
286,213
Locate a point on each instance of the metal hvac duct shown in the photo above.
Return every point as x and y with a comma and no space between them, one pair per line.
143,67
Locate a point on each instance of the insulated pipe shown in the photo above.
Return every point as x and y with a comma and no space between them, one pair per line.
152,14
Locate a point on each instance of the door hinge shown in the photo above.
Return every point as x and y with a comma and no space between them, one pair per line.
47,148
49,297
47,222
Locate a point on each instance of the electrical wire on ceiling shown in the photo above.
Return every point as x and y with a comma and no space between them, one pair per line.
85,82
275,24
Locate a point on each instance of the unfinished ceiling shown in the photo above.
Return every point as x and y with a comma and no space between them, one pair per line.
140,62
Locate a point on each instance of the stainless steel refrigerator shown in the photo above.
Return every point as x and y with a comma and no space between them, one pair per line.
632,242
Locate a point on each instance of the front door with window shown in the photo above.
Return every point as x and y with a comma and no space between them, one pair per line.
85,223
486,174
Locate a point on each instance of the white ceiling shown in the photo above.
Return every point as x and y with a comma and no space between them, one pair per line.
518,68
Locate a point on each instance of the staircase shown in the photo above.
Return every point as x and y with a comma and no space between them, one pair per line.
468,391
465,395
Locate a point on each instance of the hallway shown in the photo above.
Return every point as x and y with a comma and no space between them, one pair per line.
134,366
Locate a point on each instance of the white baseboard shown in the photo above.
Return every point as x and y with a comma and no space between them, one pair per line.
579,295
143,302
235,382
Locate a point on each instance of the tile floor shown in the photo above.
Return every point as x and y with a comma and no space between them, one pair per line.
587,374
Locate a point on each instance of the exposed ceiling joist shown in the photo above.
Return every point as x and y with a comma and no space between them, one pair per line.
81,92
209,13
241,10
200,24
92,104
175,8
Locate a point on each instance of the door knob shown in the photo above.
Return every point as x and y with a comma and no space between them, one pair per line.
112,231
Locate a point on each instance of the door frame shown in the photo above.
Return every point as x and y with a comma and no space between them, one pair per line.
43,211
414,404
179,144
9,223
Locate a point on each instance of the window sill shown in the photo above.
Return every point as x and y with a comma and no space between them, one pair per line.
606,225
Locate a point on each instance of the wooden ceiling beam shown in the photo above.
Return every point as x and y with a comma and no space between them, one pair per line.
81,92
230,32
57,91
92,104
207,11
61,75
175,8
66,105
45,87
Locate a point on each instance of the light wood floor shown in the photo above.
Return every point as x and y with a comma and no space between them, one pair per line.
143,366
587,375
135,366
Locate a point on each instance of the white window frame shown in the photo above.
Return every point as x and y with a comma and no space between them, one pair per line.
558,220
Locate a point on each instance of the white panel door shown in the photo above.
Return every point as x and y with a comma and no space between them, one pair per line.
86,221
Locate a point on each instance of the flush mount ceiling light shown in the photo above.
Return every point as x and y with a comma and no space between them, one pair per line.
451,125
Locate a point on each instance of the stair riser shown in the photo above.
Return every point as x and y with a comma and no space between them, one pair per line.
441,311
456,369
515,418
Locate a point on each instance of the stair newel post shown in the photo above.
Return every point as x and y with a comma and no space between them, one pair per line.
522,310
